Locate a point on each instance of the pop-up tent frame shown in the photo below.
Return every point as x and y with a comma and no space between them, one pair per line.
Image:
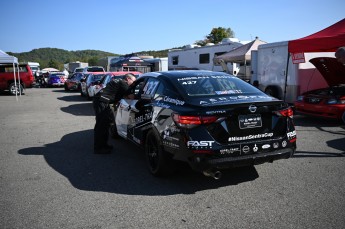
7,59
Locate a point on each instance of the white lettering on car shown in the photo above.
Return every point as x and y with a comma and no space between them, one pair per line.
291,135
249,137
174,101
200,143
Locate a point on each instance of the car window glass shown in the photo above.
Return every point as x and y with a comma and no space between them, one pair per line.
215,85
150,88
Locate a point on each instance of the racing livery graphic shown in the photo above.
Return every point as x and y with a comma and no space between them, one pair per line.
210,120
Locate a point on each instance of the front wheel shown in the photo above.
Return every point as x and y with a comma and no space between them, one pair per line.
158,161
14,89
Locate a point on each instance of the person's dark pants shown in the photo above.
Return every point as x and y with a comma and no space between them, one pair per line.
103,121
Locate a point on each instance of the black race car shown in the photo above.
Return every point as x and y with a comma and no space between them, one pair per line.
211,120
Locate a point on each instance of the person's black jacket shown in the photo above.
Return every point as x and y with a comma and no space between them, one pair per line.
113,92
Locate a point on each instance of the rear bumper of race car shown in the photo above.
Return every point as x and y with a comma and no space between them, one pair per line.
204,163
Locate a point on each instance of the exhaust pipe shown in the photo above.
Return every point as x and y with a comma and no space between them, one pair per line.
214,174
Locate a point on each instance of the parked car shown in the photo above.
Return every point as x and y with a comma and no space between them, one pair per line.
210,120
325,102
106,79
93,69
7,82
89,80
73,81
56,79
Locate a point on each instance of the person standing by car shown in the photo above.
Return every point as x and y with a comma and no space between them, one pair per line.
340,54
112,93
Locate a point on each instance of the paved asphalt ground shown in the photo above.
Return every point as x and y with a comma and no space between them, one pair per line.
50,178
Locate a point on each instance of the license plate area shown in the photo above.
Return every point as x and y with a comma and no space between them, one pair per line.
249,121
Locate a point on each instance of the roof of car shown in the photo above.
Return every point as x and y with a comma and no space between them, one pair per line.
183,73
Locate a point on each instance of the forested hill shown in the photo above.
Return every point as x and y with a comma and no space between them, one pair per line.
57,57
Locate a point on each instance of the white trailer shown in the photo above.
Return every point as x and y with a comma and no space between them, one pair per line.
275,74
35,68
196,57
158,64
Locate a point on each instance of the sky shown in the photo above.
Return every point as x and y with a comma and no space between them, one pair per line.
124,27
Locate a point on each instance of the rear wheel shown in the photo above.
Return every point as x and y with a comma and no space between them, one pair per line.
14,89
158,161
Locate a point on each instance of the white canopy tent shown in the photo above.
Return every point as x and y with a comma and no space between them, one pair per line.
7,59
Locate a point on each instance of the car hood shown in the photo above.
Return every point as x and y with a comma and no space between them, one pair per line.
332,71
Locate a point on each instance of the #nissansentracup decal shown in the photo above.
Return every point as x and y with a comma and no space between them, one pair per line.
249,137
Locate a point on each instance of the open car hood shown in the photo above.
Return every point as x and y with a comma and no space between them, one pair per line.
331,70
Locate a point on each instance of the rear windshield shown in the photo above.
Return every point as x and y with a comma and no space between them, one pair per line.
216,85
95,69
97,77
57,74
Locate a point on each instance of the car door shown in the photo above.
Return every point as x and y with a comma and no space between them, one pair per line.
132,116
125,112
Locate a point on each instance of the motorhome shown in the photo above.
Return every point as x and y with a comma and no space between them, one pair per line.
275,74
196,57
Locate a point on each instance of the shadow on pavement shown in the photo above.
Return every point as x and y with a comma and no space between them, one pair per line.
124,171
74,98
82,109
318,122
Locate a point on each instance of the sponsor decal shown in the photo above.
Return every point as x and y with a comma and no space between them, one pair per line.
291,135
143,118
170,144
231,98
284,144
200,143
166,136
255,148
250,137
245,149
174,101
215,112
275,145
229,92
189,83
230,150
266,146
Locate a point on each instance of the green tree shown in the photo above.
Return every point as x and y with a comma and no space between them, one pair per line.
53,64
93,61
216,36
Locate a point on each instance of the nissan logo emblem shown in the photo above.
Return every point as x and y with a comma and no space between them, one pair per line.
252,108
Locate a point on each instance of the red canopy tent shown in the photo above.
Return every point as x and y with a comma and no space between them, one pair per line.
326,40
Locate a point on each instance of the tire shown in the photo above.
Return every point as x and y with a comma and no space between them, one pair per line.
158,161
14,90
66,87
272,92
343,117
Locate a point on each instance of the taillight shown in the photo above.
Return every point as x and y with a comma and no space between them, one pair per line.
288,112
189,121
